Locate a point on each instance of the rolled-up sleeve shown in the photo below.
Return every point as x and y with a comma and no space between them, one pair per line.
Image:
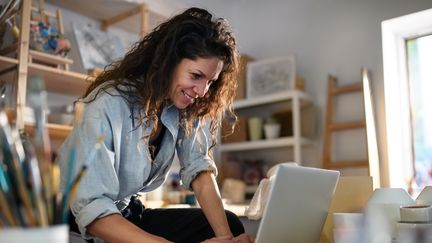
99,188
193,155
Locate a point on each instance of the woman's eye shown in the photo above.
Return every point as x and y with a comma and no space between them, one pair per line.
196,76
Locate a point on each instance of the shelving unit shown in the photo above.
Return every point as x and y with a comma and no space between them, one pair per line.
120,13
56,80
292,100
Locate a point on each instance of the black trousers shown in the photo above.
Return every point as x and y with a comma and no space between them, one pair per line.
188,225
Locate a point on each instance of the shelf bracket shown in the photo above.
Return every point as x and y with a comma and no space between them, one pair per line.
141,9
9,69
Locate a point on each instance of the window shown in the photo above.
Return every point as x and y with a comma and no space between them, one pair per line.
404,50
419,58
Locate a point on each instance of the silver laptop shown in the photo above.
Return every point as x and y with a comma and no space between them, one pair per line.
297,208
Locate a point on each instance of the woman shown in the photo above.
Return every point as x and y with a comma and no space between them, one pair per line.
151,104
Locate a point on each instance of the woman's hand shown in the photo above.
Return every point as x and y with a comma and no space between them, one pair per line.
243,238
220,239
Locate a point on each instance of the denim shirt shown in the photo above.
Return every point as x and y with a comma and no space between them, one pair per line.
123,165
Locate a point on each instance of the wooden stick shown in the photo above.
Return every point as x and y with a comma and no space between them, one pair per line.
60,21
144,20
120,17
23,51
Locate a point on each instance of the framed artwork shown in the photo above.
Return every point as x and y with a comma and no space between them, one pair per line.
270,76
97,48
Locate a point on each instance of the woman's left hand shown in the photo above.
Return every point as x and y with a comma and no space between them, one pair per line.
244,238
220,239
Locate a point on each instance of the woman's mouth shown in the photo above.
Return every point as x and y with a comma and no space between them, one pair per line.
190,98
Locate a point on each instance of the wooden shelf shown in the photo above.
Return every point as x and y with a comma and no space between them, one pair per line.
273,98
61,81
5,61
104,10
55,131
263,144
56,80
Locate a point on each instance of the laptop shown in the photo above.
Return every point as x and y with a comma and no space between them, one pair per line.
297,206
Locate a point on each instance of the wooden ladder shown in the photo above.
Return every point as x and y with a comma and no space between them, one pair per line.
331,126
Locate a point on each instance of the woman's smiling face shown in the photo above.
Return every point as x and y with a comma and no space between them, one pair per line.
192,79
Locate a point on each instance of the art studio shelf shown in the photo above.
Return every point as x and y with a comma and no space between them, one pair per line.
56,80
273,98
55,131
263,144
295,102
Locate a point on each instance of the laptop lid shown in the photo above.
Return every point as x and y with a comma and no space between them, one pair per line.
298,203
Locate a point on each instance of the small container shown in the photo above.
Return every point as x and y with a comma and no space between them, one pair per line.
255,127
272,130
416,214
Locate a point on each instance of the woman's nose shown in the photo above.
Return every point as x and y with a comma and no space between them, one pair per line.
201,89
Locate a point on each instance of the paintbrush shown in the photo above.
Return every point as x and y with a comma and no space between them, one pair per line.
13,155
6,199
34,179
37,98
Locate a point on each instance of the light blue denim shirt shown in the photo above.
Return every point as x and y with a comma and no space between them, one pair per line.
123,165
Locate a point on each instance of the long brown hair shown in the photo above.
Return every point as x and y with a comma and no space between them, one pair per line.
147,69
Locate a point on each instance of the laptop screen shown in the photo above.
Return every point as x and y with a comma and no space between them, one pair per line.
298,204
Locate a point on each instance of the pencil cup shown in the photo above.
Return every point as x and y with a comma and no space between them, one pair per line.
52,234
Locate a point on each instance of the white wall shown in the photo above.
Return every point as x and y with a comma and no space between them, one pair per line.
327,36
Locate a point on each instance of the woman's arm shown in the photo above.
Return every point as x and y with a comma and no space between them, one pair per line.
114,228
208,196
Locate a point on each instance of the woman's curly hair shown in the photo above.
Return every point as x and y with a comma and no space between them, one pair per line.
147,69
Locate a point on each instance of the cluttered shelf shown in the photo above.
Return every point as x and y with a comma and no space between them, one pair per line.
55,131
56,80
263,144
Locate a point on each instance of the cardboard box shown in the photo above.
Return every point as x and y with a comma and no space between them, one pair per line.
241,78
239,134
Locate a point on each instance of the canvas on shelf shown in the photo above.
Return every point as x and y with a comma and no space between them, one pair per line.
97,48
270,76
